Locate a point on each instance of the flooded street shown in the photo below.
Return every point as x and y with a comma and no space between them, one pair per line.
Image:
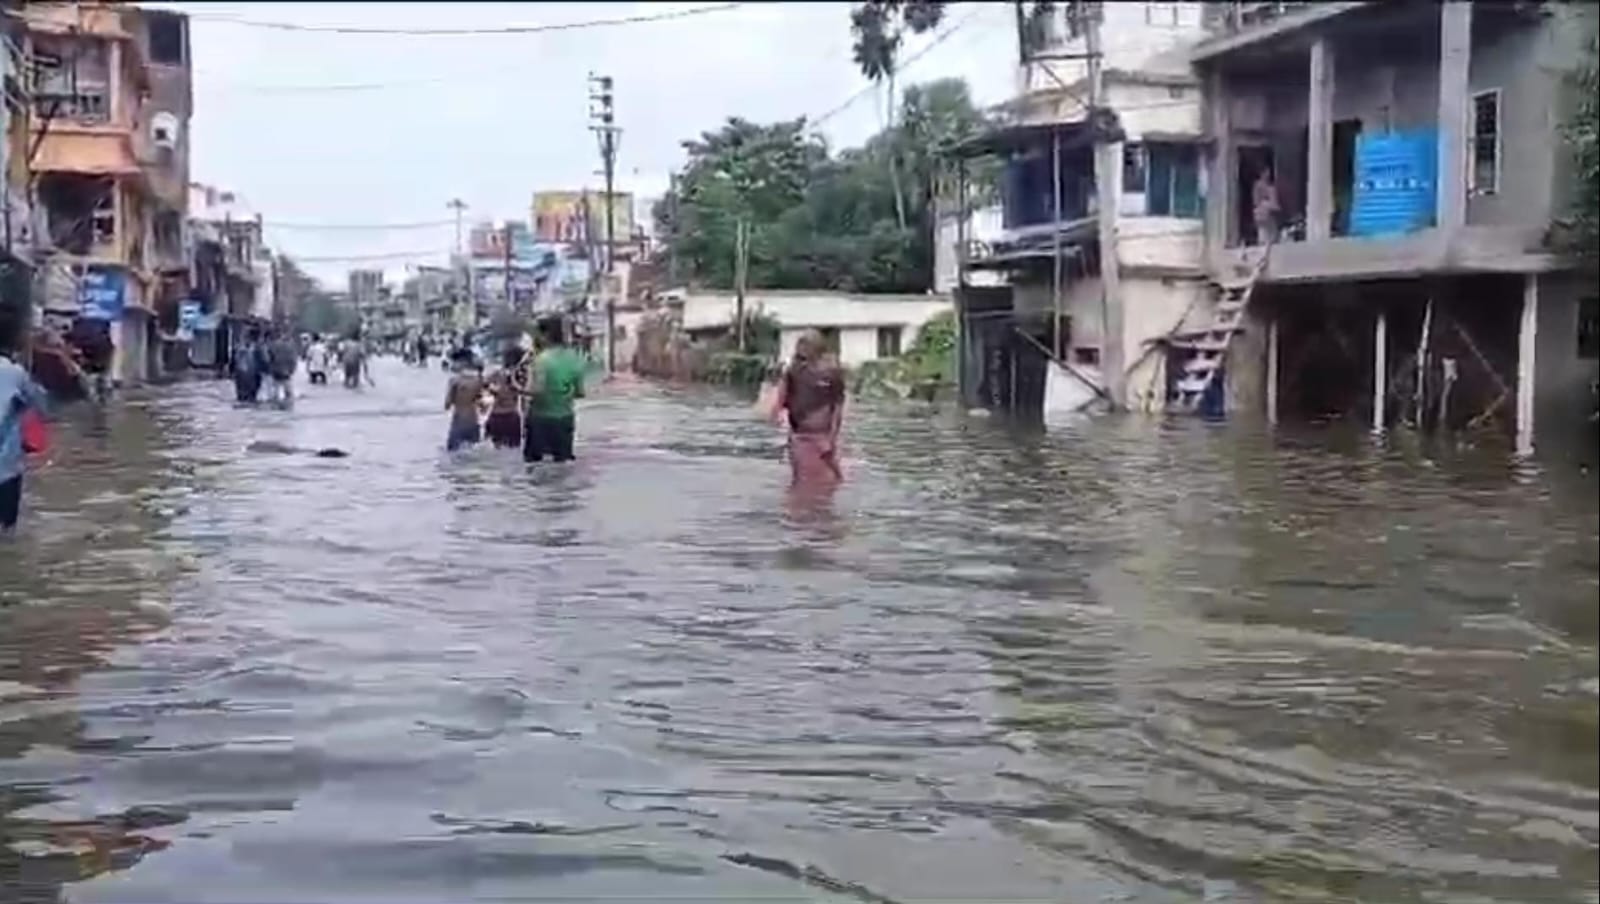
1128,662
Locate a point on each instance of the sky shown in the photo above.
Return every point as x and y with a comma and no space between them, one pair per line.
316,128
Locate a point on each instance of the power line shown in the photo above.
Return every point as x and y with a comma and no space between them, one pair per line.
496,30
351,258
358,227
924,51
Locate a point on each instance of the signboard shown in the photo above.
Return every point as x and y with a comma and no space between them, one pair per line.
102,293
1396,183
190,314
560,216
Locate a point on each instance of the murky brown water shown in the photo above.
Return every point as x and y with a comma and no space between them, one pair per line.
1125,663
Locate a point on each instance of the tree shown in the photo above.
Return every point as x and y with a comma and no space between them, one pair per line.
817,221
880,27
1583,136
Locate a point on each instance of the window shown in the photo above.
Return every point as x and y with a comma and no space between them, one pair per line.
1162,14
1173,180
166,38
1589,327
888,342
1484,174
1133,169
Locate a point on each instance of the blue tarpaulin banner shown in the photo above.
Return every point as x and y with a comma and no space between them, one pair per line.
1396,183
102,293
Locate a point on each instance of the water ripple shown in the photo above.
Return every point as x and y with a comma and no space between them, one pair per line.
1130,661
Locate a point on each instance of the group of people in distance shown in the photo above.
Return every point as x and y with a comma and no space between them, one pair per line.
529,401
265,358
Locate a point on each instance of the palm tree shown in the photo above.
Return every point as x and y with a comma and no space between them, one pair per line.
880,27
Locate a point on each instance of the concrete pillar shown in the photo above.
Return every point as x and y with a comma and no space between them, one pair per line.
1380,369
1319,151
114,84
1455,60
1219,185
1527,347
1272,370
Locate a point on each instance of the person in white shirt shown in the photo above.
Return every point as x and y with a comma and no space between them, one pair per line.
317,361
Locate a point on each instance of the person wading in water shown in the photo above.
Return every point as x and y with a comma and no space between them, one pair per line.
554,384
463,399
504,425
811,393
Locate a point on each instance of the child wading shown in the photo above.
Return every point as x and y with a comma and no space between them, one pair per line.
504,424
464,400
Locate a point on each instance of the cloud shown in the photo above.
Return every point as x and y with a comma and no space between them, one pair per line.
340,128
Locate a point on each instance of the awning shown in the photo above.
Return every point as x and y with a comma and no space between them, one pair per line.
1012,139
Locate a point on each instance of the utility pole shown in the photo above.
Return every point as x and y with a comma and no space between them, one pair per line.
463,275
505,239
1108,192
672,224
741,267
459,206
604,116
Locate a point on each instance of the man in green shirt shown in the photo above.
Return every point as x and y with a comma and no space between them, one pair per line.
554,383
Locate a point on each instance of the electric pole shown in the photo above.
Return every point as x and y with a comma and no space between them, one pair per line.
605,128
1103,130
459,206
505,239
463,268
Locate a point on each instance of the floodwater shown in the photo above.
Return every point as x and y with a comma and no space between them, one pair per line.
1124,662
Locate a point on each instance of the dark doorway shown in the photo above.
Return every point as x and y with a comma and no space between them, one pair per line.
1345,133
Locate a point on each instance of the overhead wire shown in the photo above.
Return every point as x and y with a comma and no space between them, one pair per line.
379,256
923,51
357,227
488,30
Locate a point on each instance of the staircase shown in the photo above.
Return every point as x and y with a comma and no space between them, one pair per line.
1207,347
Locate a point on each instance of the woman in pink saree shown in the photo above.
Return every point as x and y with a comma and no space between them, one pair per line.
811,393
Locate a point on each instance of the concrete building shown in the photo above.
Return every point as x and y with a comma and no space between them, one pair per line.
1415,153
108,120
1069,299
859,327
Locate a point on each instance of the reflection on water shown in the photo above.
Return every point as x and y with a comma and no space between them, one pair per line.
1132,662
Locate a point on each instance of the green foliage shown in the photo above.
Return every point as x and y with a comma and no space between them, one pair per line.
926,369
1582,131
738,368
819,221
879,27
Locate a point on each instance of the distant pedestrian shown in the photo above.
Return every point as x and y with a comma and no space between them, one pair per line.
92,338
247,369
283,358
464,400
353,358
811,394
20,396
504,424
317,361
553,386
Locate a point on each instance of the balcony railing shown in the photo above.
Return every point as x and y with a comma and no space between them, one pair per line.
1242,14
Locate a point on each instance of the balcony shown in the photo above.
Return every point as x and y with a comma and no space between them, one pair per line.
1241,24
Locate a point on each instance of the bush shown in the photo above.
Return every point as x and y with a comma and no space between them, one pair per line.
738,369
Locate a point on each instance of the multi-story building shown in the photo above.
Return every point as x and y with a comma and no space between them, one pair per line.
107,160
17,226
366,294
508,267
1066,299
1388,173
231,271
